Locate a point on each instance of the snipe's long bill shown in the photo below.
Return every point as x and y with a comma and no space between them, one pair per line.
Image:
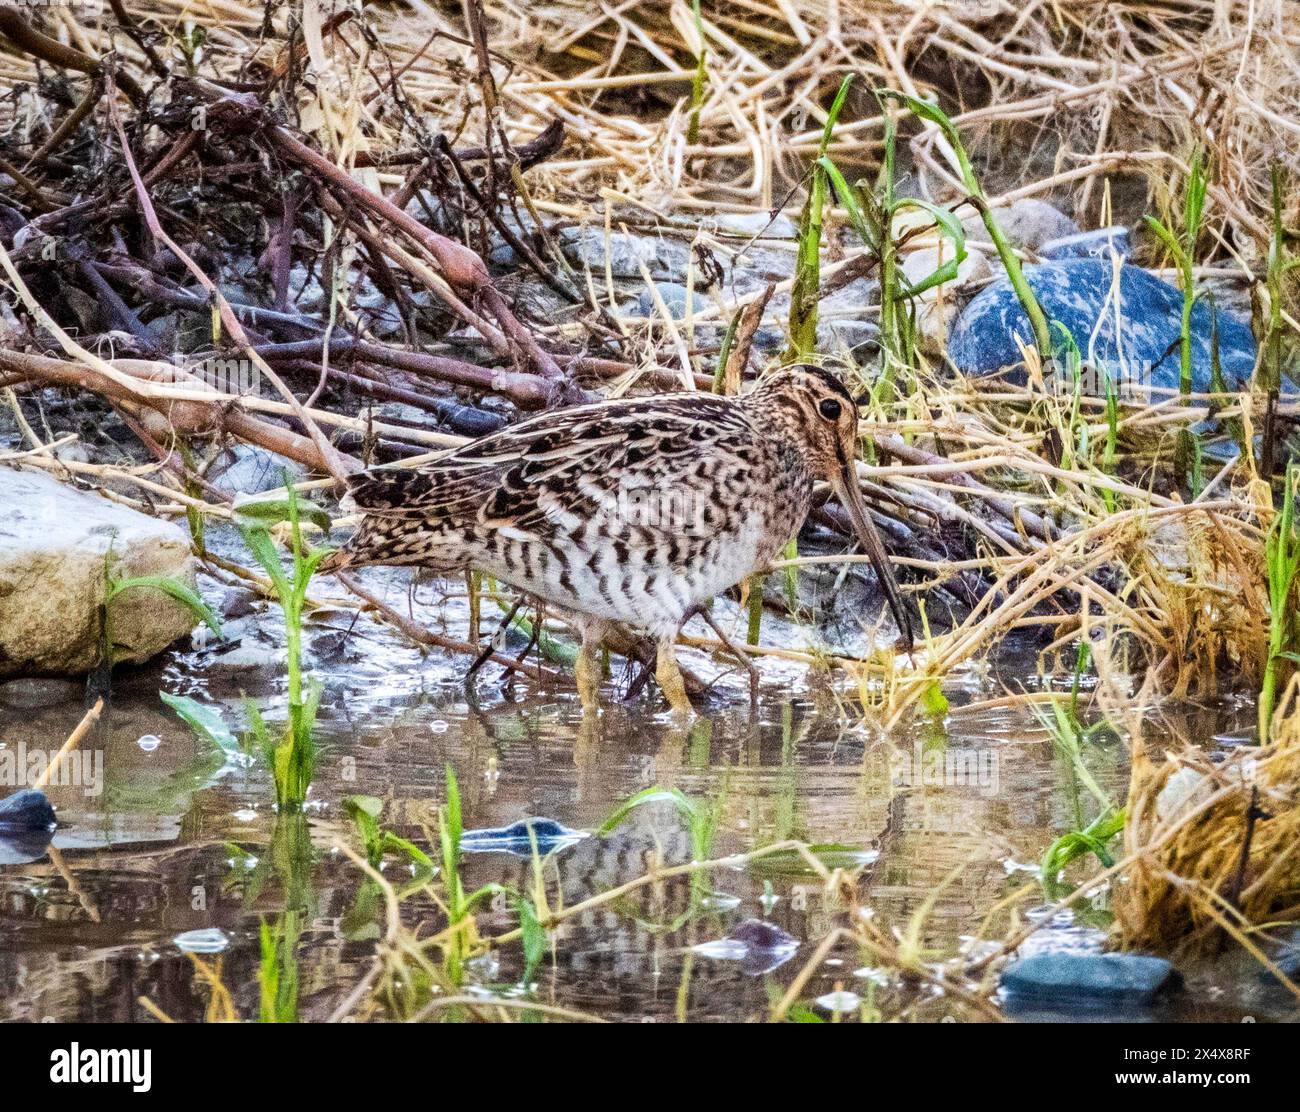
634,511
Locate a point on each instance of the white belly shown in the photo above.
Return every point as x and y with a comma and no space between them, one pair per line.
585,574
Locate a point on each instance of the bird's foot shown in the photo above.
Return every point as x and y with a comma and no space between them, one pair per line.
670,680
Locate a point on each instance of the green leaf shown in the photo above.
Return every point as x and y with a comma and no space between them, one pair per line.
934,701
169,585
791,862
952,230
363,804
391,843
454,827
533,936
1166,237
848,198
263,548
926,110
1079,842
834,114
684,806
261,511
204,721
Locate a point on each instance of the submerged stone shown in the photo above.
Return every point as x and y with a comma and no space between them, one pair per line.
757,945
1136,345
30,693
626,253
26,810
1287,959
1067,980
675,297
245,469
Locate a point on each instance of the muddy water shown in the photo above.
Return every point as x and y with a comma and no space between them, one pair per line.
174,840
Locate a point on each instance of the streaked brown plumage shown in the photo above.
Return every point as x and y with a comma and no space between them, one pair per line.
636,511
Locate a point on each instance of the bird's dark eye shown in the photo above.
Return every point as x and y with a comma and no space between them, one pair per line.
831,409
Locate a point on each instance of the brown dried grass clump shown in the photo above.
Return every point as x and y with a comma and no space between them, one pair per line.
1093,88
1216,847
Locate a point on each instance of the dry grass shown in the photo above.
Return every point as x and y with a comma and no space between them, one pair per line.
1217,856
1106,86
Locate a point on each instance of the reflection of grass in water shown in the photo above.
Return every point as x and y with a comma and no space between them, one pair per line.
427,978
142,790
289,859
1070,737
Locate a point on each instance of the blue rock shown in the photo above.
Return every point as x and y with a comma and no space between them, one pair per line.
1067,980
26,810
1287,959
1095,244
1076,293
26,827
550,836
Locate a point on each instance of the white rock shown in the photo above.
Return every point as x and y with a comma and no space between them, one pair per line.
937,306
53,543
1027,223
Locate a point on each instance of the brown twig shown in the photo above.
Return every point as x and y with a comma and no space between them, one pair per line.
31,41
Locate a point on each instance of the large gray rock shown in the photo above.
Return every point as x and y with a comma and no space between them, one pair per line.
54,541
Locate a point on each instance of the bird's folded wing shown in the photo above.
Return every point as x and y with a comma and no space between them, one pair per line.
544,469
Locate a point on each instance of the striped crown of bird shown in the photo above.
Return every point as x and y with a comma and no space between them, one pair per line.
636,511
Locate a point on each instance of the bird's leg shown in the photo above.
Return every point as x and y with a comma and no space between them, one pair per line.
587,668
669,676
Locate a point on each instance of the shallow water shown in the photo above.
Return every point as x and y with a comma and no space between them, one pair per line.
178,841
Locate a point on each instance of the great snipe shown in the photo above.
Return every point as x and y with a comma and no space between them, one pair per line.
634,511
